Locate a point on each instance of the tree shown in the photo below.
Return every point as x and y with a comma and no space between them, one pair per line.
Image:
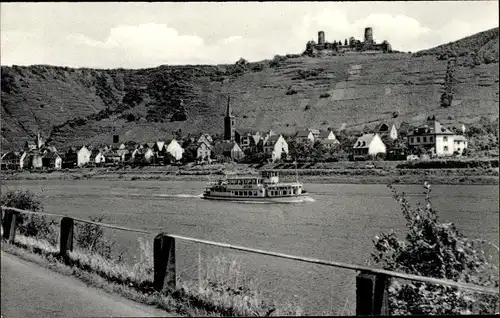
388,142
346,141
319,153
284,156
190,154
130,117
434,249
29,224
169,159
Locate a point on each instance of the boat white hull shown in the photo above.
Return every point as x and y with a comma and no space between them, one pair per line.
284,199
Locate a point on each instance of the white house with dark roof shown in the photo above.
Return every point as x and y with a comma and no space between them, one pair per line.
97,157
329,143
327,134
315,132
203,151
247,138
82,156
37,160
437,139
327,139
206,138
368,144
388,129
228,149
52,160
276,145
304,135
459,144
112,157
174,148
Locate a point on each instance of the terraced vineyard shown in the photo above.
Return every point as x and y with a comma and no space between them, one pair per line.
284,94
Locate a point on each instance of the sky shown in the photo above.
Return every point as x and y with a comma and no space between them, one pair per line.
142,35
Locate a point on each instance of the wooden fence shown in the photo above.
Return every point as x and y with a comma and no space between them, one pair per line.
371,283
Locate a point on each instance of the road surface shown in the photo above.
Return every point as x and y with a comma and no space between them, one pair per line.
29,290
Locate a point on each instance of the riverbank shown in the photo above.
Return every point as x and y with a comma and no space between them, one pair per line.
339,174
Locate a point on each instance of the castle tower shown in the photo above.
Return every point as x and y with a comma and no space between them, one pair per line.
229,122
368,35
321,38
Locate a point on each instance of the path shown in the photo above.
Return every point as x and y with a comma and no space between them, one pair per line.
29,290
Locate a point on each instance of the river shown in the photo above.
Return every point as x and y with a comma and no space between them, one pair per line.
339,224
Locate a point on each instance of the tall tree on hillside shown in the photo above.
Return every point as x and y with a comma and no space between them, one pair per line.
449,81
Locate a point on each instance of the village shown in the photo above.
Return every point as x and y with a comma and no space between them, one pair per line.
385,142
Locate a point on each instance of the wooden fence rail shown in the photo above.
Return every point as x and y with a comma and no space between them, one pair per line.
371,283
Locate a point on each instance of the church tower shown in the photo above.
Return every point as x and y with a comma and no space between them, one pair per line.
229,122
39,141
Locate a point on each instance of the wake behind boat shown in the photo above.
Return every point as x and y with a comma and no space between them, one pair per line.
265,188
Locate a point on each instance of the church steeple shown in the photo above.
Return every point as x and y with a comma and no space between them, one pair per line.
39,141
229,122
228,107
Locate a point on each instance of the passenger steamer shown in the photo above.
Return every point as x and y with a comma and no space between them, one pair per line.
265,188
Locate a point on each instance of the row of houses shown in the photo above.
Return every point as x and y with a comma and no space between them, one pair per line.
431,136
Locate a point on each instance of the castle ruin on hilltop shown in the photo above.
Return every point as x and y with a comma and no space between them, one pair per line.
351,45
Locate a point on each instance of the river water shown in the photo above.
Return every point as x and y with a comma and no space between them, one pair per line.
338,224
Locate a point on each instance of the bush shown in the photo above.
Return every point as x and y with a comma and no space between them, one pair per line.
90,237
291,91
24,200
130,117
434,249
277,61
258,67
31,224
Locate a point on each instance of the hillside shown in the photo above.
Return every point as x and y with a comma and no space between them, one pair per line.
484,45
75,106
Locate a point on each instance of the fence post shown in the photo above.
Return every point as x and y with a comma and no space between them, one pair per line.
9,225
66,236
164,263
371,294
7,218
